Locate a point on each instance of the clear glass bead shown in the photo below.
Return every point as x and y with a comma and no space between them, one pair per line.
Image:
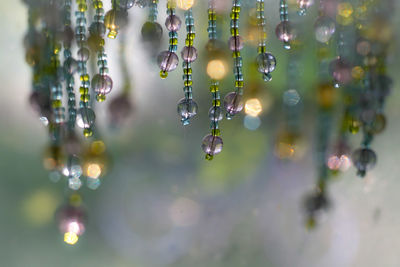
85,118
83,54
102,84
74,183
266,63
187,109
189,53
167,61
72,167
173,23
324,29
233,104
236,43
70,66
285,32
212,145
215,114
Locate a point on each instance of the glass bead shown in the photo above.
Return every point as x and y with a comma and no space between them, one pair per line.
74,183
151,32
324,29
315,203
363,159
304,5
233,103
378,125
93,183
70,65
167,61
72,167
187,109
340,70
212,145
141,3
120,108
266,63
97,28
236,43
215,114
285,32
189,53
173,23
85,118
126,4
83,54
102,84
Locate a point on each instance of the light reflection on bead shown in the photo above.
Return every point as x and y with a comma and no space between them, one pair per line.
102,84
187,109
324,29
363,159
85,117
173,23
212,145
266,63
167,61
233,104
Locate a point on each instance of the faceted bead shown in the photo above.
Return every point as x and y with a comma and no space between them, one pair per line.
215,114
151,32
187,109
126,4
97,28
189,53
233,104
285,32
173,23
70,65
102,84
266,63
85,118
212,145
83,54
167,61
141,3
324,29
364,159
236,43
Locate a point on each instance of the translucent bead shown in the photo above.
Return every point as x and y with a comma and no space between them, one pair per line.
67,35
126,4
266,63
285,32
212,145
85,118
316,203
304,5
189,53
102,84
215,114
97,28
93,183
378,124
141,3
72,167
233,104
363,159
340,70
173,23
83,54
74,183
236,43
167,61
151,32
70,66
119,109
187,109
324,29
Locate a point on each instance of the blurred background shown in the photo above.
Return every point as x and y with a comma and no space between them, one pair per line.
161,203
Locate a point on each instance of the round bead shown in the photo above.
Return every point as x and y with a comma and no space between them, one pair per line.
378,125
151,32
97,28
215,114
187,109
126,4
324,29
72,167
70,65
85,118
212,145
233,103
340,70
236,43
173,23
266,63
102,84
364,159
83,54
285,32
189,53
167,61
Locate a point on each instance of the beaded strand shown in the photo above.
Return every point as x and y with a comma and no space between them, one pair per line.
284,30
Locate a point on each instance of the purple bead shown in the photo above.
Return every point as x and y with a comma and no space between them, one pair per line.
233,103
167,61
173,23
341,70
284,31
236,43
102,84
189,53
212,145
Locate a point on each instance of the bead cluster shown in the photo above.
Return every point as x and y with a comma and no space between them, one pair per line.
187,108
233,101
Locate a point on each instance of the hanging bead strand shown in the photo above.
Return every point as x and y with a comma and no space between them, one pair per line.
168,60
212,143
86,116
187,108
284,30
233,100
266,61
101,83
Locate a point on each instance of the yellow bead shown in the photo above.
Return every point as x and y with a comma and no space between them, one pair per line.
163,74
100,98
87,132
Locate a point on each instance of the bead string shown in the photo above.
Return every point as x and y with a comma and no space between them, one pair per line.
284,17
153,11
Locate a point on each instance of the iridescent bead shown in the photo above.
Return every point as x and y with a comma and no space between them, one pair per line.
363,159
285,32
70,65
120,108
167,61
266,63
233,104
189,53
340,70
236,43
324,29
187,109
85,118
173,23
126,4
212,145
151,32
102,84
83,54
215,114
